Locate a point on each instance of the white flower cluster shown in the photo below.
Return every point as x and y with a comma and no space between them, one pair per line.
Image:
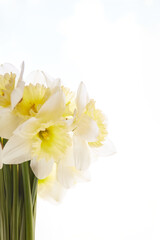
46,124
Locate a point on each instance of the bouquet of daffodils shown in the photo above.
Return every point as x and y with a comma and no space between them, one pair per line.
48,138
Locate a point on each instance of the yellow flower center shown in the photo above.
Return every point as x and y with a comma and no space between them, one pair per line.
34,97
7,84
51,142
44,135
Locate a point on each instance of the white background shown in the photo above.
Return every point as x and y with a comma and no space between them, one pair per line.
114,47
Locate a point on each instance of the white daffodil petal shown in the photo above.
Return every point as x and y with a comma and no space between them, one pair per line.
82,98
56,192
17,94
65,175
105,150
81,153
17,150
28,129
36,77
51,82
68,176
41,167
53,108
41,77
87,129
68,158
1,163
8,68
49,188
8,123
21,73
51,191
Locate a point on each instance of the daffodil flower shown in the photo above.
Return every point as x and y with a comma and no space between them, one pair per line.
38,90
11,92
42,139
89,130
63,176
40,86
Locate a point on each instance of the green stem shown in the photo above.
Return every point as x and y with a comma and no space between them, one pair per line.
5,200
2,204
23,229
8,192
34,189
34,198
15,202
18,194
28,202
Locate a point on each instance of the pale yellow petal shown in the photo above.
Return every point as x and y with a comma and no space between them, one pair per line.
21,73
50,189
41,168
65,175
42,78
53,108
8,123
36,77
29,128
8,68
82,98
17,94
81,153
52,83
87,129
105,150
17,150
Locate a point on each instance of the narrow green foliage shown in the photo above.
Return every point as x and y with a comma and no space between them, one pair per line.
18,194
